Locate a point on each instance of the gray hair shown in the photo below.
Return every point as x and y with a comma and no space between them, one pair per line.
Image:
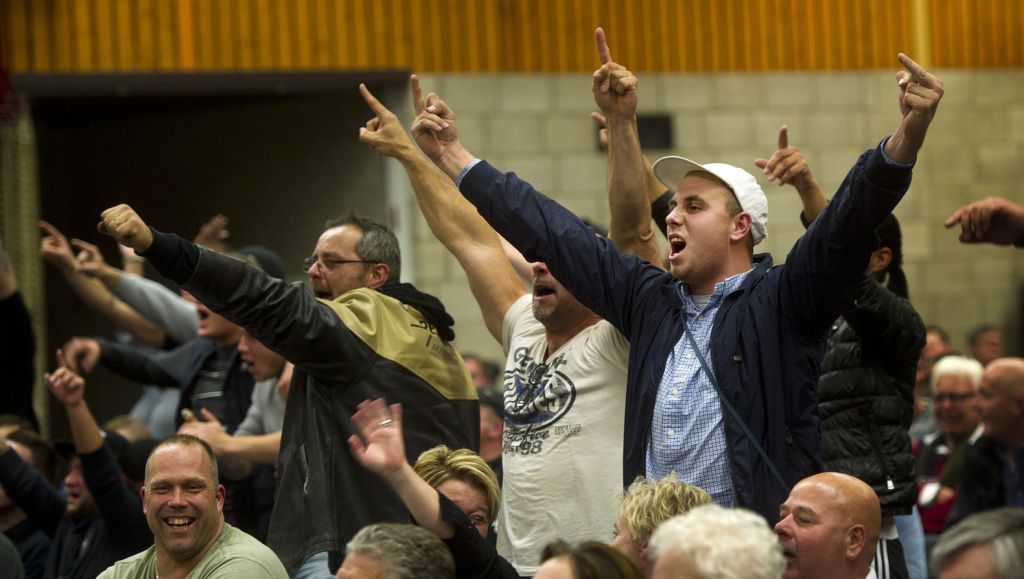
378,243
410,552
1001,529
958,366
710,536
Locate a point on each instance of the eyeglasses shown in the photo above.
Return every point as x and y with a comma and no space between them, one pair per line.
940,398
330,264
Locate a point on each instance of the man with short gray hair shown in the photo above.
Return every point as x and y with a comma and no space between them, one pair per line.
184,503
989,544
396,551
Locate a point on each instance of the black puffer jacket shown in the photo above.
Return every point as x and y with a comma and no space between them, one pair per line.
866,394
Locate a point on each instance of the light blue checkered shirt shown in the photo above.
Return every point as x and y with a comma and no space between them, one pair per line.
687,433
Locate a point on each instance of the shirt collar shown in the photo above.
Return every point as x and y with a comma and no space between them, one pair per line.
722,289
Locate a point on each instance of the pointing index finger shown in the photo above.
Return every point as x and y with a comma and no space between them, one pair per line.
417,94
602,47
783,137
371,100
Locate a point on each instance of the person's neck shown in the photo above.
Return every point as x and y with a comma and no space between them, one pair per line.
490,450
10,517
735,266
557,335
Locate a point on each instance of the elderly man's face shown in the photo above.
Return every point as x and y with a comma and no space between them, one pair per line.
338,268
811,531
955,411
997,403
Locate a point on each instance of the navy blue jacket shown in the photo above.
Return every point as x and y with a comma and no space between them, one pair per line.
768,337
117,531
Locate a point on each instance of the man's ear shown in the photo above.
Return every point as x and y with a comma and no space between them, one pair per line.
880,259
220,497
855,538
741,224
142,493
378,275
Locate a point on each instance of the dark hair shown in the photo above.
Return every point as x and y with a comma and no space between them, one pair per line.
378,243
44,459
939,330
975,335
16,420
593,560
889,235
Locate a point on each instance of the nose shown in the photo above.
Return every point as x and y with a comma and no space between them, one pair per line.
782,530
539,268
177,498
243,344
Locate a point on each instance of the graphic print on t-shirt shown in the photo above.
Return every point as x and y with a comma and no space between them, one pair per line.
537,395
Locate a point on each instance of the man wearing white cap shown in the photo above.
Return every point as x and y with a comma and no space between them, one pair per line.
724,349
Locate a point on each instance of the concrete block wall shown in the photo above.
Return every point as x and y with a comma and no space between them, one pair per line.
539,127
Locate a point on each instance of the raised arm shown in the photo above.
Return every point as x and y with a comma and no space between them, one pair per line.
454,221
285,316
787,166
920,93
826,263
69,388
118,505
615,92
382,451
17,345
658,196
56,250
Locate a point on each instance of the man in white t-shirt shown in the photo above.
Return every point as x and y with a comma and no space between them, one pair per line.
565,373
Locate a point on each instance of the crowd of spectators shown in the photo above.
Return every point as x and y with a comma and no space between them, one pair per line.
698,412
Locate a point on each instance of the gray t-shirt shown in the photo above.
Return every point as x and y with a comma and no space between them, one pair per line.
235,554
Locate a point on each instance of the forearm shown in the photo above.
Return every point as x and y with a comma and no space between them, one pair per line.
84,430
628,196
141,367
452,219
261,448
166,309
421,499
828,261
812,199
454,161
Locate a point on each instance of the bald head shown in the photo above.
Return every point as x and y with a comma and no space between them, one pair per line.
828,527
851,499
1000,400
1007,373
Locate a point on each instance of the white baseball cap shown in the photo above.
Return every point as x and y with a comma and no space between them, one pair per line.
671,170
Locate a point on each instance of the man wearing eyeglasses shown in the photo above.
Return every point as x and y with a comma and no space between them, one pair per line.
359,335
940,457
